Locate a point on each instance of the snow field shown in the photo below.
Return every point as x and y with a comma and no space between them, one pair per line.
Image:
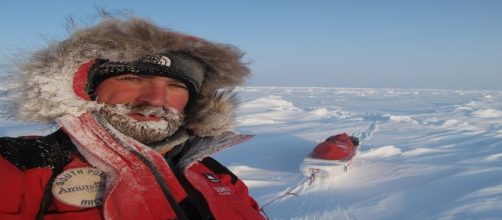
424,154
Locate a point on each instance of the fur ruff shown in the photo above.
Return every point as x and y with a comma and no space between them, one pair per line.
46,78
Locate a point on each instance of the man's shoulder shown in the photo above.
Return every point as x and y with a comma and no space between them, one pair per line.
219,168
198,148
37,151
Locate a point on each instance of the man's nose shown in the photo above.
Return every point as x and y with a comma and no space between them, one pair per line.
154,94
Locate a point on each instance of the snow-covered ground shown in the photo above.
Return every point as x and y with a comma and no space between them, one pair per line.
425,154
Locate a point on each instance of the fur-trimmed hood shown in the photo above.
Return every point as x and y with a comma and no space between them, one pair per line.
48,78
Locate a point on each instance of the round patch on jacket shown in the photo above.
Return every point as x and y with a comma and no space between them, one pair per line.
83,187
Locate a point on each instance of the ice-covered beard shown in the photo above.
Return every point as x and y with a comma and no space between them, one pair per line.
146,132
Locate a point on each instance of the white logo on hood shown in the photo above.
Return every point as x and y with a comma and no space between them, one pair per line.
164,61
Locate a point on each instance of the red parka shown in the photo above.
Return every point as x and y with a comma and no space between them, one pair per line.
29,166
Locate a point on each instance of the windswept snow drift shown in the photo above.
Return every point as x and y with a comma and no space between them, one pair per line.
425,154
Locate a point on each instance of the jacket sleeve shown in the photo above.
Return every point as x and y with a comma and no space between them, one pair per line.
21,191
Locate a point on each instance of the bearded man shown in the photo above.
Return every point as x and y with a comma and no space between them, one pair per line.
140,109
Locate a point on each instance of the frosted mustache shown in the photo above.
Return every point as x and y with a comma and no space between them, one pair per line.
142,109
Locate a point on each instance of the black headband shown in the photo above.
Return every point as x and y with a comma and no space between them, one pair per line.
177,65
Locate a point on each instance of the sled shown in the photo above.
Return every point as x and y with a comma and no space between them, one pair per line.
327,159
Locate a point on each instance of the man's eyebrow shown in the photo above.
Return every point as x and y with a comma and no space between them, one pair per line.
142,75
176,80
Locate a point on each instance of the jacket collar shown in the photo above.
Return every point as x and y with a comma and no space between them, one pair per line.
198,148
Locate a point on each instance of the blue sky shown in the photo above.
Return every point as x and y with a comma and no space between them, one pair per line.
446,44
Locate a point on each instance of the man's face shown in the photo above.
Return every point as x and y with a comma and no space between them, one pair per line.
156,91
146,108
